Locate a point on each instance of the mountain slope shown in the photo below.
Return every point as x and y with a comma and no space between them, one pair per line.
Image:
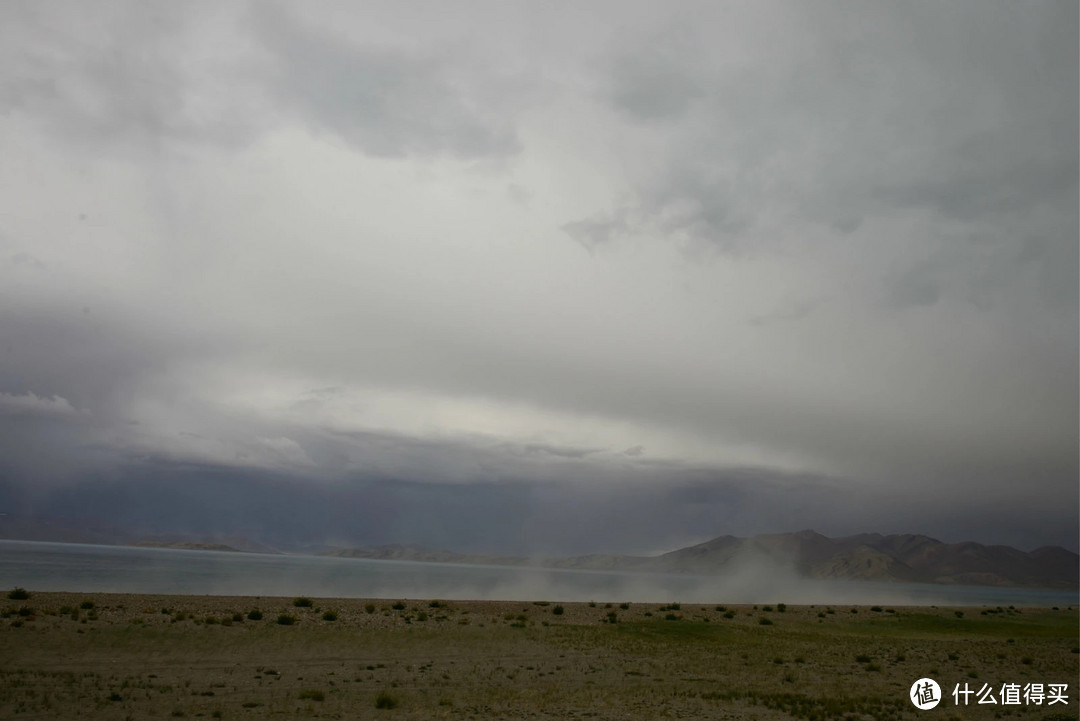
864,557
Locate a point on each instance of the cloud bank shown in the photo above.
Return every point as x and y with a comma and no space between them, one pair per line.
658,274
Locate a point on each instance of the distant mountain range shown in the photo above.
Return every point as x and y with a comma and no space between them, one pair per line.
864,557
65,530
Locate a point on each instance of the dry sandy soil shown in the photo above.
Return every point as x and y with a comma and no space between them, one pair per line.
102,656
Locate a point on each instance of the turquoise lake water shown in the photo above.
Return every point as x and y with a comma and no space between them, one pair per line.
92,568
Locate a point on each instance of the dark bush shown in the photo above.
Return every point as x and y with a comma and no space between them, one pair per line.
558,610
286,620
302,602
254,615
18,594
385,700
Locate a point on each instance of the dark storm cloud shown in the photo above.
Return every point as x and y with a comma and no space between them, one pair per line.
831,276
124,74
968,114
384,101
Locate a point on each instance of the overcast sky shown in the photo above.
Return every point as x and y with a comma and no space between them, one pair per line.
660,271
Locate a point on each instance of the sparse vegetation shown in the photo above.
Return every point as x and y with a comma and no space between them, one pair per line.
593,659
385,700
18,594
286,620
303,602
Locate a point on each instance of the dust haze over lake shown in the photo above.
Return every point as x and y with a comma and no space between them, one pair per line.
79,567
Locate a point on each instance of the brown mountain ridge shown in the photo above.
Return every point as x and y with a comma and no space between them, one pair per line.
864,557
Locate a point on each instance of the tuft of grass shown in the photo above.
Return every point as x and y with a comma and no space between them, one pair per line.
302,602
329,616
86,605
385,700
398,606
286,620
369,608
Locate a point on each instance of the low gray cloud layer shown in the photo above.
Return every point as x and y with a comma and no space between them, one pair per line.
610,278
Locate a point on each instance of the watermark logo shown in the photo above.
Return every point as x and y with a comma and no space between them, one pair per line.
925,694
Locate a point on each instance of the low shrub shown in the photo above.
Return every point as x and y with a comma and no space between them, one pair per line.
18,594
385,700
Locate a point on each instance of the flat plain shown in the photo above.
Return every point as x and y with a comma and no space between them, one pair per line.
111,656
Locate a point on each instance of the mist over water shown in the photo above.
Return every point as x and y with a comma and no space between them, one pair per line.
120,569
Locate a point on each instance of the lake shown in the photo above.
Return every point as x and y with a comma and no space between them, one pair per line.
89,568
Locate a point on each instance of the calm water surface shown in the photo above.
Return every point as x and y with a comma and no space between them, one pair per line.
91,568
